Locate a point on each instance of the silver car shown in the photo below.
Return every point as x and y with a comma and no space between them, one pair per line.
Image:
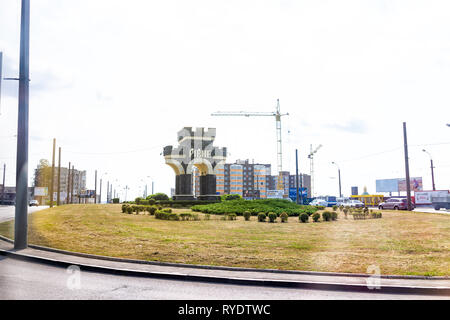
353,204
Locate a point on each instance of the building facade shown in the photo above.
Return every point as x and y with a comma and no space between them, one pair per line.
253,180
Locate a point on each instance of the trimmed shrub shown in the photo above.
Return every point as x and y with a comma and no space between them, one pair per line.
304,217
262,217
124,208
138,200
284,217
335,207
115,200
231,216
151,202
320,207
247,215
167,210
129,210
138,209
272,216
334,215
143,202
345,212
326,216
316,217
185,216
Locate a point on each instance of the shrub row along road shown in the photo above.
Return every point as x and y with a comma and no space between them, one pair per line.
29,280
7,212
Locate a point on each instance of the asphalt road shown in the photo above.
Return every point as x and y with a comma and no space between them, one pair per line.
29,280
7,212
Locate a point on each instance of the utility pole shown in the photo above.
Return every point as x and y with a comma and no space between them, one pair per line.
58,196
296,175
339,174
68,185
107,191
21,212
71,184
432,171
408,183
52,182
95,193
3,186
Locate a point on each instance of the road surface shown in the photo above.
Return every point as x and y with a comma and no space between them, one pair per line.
7,212
30,280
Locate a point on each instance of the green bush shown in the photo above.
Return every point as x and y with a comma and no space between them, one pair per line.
143,202
115,200
284,217
124,208
247,215
320,207
239,206
158,196
151,202
231,216
272,216
138,209
167,210
326,216
304,217
335,207
262,217
228,197
334,215
316,217
138,200
129,209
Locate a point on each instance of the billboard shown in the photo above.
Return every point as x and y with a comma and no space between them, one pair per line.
415,183
398,185
275,194
40,191
387,185
354,191
425,197
293,193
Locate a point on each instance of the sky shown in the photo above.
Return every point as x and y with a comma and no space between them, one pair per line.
114,81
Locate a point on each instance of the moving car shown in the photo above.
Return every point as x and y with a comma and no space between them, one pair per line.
395,204
34,203
318,202
353,204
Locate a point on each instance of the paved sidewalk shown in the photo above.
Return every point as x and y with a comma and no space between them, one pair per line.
426,285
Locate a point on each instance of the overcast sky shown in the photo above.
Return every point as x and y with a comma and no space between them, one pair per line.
113,82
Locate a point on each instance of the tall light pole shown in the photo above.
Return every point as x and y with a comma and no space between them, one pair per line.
339,174
432,171
408,180
21,218
101,177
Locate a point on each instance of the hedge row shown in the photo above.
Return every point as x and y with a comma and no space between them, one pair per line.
239,206
163,215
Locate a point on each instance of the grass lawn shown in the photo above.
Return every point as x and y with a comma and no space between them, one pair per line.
399,243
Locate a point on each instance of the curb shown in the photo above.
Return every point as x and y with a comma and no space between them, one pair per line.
224,268
441,291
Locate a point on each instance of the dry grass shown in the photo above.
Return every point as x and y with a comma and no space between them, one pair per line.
399,243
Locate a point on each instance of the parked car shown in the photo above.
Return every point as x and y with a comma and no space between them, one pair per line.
395,204
34,203
318,202
353,204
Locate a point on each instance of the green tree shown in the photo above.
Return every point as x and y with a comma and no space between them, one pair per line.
158,196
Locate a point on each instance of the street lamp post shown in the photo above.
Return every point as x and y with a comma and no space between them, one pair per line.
432,171
339,174
21,212
101,177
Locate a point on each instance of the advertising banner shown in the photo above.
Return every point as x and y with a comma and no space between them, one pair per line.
415,183
40,191
426,197
387,185
293,193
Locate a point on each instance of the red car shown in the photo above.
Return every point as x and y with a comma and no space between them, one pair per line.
395,204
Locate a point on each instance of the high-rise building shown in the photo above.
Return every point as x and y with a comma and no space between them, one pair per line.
251,180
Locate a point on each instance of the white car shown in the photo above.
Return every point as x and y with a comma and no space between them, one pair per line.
34,203
353,204
318,202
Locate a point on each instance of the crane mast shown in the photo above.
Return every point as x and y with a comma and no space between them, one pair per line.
311,166
277,114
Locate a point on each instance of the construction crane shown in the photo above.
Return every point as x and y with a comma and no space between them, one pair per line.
311,166
277,114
